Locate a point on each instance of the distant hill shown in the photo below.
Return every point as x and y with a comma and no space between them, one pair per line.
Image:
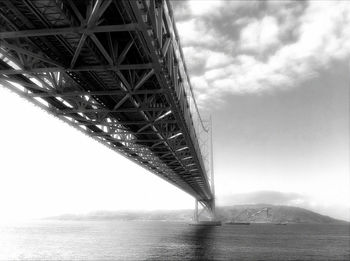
260,213
263,213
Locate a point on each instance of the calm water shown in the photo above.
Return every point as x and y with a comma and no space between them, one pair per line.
123,240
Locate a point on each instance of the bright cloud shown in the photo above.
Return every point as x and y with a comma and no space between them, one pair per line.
252,48
203,7
195,33
260,34
217,59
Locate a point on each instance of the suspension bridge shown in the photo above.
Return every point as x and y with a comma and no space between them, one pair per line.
114,70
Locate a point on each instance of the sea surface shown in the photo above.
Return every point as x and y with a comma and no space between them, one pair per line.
156,240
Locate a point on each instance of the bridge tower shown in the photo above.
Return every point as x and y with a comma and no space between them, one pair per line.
211,210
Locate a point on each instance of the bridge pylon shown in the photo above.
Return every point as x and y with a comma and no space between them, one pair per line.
208,211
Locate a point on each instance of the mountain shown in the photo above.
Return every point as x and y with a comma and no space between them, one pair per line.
258,213
264,213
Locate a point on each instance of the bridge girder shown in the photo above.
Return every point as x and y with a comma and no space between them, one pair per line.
115,71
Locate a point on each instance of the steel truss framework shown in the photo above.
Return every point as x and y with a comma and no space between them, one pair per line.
114,70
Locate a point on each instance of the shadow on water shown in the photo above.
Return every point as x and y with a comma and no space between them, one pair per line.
200,242
184,242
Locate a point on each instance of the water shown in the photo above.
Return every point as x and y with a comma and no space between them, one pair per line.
136,240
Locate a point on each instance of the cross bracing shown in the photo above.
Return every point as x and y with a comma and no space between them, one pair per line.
114,70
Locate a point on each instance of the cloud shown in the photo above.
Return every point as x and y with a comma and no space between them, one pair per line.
198,58
202,59
265,197
238,48
204,7
195,33
259,35
217,59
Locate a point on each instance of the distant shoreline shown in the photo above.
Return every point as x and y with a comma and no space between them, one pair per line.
254,214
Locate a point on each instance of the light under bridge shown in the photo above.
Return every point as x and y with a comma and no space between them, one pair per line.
115,70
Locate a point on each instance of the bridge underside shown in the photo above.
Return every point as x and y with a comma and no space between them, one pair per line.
114,70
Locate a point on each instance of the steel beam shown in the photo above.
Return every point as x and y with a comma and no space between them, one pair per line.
69,30
124,123
29,53
79,69
69,111
96,93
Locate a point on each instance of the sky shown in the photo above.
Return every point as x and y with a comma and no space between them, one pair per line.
275,78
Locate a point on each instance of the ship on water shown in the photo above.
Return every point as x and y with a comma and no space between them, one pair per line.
206,223
237,223
281,223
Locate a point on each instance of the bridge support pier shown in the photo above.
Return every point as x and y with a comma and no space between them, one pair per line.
210,217
209,208
195,214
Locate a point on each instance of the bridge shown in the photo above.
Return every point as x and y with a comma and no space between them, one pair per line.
114,70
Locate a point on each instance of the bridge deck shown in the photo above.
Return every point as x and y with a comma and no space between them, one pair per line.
115,70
